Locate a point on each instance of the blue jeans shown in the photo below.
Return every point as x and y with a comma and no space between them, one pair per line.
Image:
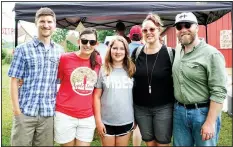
187,125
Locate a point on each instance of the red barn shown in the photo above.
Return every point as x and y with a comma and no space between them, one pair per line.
216,31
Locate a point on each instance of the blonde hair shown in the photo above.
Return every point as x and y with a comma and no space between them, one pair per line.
128,65
155,19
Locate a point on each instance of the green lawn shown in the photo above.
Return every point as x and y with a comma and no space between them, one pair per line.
224,140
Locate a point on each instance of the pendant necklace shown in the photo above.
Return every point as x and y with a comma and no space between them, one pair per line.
149,81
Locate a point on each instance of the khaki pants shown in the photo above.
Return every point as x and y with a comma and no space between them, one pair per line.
32,131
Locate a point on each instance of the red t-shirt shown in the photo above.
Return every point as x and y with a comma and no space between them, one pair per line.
74,97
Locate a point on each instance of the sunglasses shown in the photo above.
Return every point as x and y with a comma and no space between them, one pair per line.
91,42
149,30
179,26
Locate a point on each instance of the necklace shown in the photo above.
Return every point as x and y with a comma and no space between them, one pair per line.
149,81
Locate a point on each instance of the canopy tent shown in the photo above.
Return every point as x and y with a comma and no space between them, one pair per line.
105,15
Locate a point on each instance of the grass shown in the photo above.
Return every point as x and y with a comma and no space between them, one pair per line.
225,138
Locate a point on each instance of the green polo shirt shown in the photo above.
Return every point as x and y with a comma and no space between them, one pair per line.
199,75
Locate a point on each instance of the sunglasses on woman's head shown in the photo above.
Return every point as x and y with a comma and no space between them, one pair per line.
148,30
91,42
179,26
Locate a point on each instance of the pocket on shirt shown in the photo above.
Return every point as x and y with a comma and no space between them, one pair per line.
195,71
191,65
31,62
195,68
54,62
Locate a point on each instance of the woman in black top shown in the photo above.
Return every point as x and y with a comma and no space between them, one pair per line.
153,86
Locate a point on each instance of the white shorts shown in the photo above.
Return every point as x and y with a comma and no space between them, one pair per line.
67,128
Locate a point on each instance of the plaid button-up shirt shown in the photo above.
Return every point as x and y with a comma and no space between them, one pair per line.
38,67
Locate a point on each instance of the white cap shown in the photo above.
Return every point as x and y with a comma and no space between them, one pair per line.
186,17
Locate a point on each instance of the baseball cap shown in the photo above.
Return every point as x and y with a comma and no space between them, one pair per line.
135,30
186,17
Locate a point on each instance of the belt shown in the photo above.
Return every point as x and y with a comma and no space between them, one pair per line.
193,106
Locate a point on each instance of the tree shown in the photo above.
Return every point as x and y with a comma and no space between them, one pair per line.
103,33
59,35
4,53
71,47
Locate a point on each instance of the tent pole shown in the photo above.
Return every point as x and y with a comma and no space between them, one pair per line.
206,33
16,32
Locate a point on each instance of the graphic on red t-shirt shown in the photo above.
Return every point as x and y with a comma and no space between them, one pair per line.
83,80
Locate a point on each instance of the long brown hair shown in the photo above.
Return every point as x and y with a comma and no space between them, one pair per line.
93,57
128,65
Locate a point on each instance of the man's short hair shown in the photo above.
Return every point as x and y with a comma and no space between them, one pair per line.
45,12
120,26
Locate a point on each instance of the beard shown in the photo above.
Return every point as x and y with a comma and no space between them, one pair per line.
187,38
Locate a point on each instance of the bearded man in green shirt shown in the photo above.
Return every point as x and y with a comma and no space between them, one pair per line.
199,78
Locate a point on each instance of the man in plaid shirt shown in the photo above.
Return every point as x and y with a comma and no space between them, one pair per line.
36,63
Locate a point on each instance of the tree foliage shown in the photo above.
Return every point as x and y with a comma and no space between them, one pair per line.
71,47
59,35
8,59
4,53
103,33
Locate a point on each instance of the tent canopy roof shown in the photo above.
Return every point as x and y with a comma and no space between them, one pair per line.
105,15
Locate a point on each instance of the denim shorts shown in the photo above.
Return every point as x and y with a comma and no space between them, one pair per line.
155,123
